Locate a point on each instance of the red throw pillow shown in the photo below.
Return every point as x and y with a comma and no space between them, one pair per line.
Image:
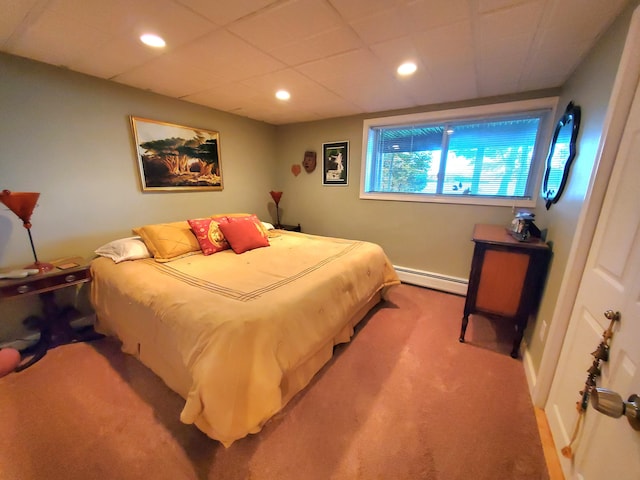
252,218
207,231
243,236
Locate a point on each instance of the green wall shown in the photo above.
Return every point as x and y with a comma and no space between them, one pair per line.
435,237
68,137
432,237
589,87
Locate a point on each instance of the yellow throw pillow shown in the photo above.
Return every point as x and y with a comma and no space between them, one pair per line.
169,241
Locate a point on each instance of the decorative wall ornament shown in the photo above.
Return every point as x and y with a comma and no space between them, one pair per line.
309,162
296,169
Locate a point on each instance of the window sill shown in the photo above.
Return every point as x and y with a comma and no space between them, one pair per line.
450,199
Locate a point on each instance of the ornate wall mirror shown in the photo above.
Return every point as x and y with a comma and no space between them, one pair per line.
561,154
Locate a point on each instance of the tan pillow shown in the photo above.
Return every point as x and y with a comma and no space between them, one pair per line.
169,241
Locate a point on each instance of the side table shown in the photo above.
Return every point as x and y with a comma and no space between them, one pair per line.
55,328
290,228
506,279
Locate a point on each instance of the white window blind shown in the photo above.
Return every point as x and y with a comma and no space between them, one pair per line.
495,157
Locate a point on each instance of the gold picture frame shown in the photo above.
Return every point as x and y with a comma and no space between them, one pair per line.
176,158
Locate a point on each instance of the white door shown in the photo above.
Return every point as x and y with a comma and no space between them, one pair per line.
606,448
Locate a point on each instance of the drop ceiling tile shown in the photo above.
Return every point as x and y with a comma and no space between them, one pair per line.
341,48
297,84
382,25
356,9
454,80
243,100
228,57
514,52
394,52
42,41
223,13
486,6
286,22
114,57
175,23
327,109
549,68
519,20
167,75
327,43
426,14
110,17
593,15
497,78
15,15
359,63
384,94
228,97
446,45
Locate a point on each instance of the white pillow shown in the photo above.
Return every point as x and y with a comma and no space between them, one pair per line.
130,248
268,225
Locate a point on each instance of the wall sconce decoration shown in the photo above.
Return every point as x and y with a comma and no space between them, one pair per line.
22,204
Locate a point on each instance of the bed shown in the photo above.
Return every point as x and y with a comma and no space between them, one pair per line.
237,335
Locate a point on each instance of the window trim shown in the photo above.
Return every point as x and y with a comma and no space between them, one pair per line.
466,113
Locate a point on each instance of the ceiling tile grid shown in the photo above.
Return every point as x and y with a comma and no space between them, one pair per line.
336,57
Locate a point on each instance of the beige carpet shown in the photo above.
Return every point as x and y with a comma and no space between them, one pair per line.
403,400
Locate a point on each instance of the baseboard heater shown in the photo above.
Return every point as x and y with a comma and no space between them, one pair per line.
436,281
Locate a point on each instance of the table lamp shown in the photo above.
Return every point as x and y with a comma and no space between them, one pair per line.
276,198
22,204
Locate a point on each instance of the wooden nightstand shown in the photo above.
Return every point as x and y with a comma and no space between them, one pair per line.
54,326
506,278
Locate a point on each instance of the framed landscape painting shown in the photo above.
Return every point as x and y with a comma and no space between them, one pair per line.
335,163
176,158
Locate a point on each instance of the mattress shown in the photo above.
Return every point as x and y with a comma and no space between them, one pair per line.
237,336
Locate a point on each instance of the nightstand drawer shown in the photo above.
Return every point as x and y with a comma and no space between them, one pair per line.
44,282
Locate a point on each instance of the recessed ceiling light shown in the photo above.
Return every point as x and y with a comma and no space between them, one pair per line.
407,68
152,40
283,95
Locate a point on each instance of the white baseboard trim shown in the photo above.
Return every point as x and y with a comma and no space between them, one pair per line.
436,281
529,370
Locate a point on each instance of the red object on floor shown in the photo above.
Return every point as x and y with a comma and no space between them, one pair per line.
9,360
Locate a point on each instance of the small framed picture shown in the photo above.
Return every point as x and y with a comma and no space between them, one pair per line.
335,163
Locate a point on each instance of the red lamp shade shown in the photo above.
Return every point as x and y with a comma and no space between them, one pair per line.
22,204
276,196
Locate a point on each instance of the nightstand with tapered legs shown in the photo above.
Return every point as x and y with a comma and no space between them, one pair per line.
506,279
54,325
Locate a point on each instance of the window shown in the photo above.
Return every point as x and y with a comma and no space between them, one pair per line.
490,155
